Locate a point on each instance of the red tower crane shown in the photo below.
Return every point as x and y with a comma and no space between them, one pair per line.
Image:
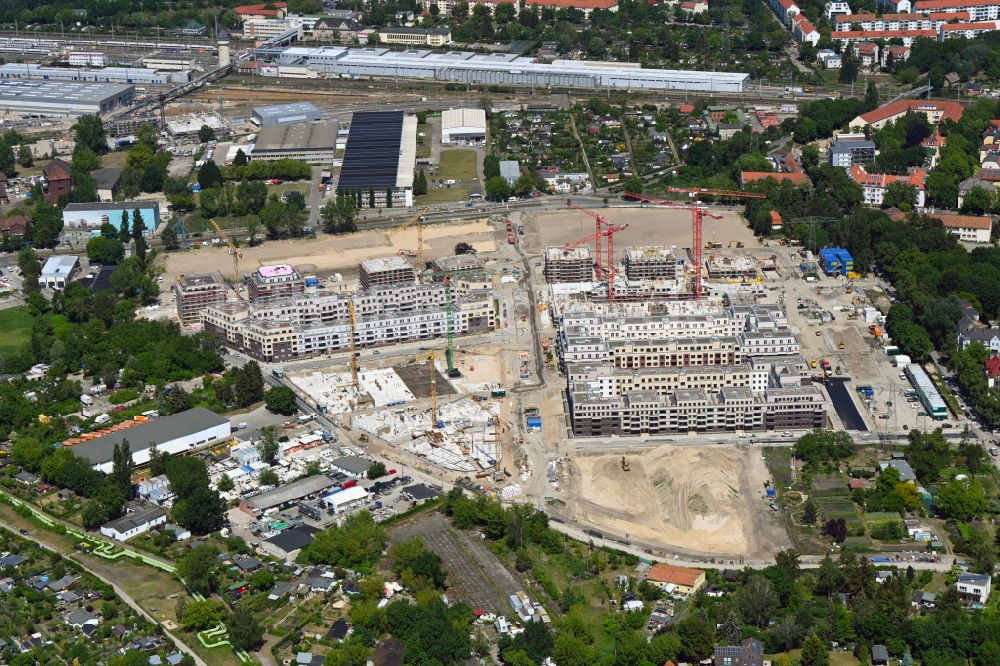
598,221
697,216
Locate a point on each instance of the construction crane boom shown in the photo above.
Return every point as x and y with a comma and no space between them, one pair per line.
418,219
599,220
697,218
354,349
432,374
233,250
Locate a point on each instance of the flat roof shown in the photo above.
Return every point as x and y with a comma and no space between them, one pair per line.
291,492
60,265
278,110
136,518
21,90
111,205
353,464
297,136
277,270
393,262
199,280
143,436
352,494
372,155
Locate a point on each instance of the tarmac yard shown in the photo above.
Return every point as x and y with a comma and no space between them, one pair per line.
697,500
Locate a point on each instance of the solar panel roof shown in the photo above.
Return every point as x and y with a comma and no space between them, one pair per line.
371,158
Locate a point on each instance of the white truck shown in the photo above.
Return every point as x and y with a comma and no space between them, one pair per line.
86,399
102,418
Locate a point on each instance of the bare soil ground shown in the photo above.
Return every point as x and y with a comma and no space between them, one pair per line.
703,500
647,226
328,253
476,576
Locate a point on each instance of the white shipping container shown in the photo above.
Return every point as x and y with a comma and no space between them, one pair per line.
901,361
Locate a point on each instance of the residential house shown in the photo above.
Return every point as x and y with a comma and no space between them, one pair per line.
974,588
867,53
847,153
265,10
991,368
26,478
12,561
906,473
875,185
672,578
923,599
57,181
804,31
787,168
728,130
971,329
80,618
697,7
15,226
933,109
829,59
63,583
968,228
748,653
836,8
880,655
338,631
893,55
138,520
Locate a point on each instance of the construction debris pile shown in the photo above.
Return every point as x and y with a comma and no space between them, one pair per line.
334,392
464,441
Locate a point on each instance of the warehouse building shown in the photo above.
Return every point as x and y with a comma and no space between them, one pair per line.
195,293
433,37
497,69
59,98
91,216
138,520
282,114
380,157
463,125
128,75
314,143
296,491
384,271
568,264
345,500
58,271
176,433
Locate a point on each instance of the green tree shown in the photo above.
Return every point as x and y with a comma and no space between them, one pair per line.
281,400
31,269
497,188
815,652
901,196
376,470
103,250
267,444
696,637
252,195
198,567
122,468
248,386
206,134
24,156
757,600
961,499
632,184
209,176
269,478
170,236
245,632
200,615
225,484
809,512
88,131
356,544
240,158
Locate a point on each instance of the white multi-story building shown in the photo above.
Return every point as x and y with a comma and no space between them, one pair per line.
87,59
834,8
978,10
261,29
804,31
875,185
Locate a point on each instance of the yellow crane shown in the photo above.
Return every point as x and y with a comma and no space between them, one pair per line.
354,351
418,219
432,373
233,250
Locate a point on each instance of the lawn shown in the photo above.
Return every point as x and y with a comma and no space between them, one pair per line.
16,325
443,195
117,158
836,658
457,164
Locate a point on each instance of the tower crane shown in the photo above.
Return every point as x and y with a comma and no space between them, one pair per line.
697,216
233,250
432,373
608,233
354,349
736,194
418,219
599,220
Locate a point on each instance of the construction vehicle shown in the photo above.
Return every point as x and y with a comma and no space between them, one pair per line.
362,437
407,253
233,251
712,245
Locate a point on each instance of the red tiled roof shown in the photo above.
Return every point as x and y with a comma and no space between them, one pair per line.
856,484
981,25
884,180
787,4
867,48
668,573
929,5
965,222
992,366
686,108
951,110
776,220
881,34
57,169
804,25
949,16
795,178
261,9
576,4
